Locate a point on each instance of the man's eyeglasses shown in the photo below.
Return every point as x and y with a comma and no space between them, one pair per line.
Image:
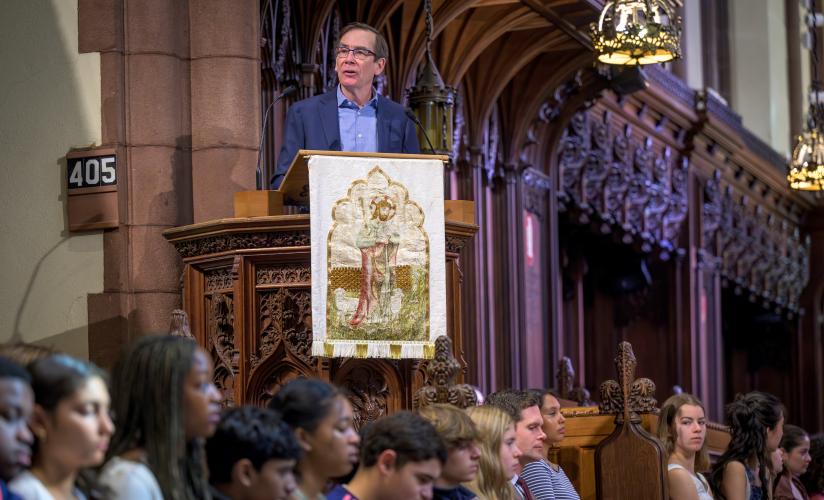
360,53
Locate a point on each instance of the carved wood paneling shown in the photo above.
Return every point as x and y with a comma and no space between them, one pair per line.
253,314
629,187
227,242
221,342
371,391
755,250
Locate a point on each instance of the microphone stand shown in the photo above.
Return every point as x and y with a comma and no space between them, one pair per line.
412,116
291,89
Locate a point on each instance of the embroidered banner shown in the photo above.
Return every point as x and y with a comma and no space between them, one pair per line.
378,256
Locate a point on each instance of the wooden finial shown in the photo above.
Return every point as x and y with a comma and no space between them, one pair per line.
179,325
442,371
628,396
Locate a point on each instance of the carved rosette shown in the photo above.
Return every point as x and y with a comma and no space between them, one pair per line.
627,397
441,373
608,178
368,392
454,244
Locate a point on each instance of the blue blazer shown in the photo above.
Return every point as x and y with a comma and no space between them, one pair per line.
313,124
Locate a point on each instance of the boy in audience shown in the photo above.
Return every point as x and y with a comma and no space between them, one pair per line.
525,408
252,456
463,454
16,401
401,456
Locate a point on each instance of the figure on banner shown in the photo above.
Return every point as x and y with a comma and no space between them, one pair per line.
378,264
378,242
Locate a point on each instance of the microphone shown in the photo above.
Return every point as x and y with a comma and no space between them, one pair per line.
291,89
412,116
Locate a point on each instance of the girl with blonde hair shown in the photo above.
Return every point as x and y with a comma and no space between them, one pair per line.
682,429
499,454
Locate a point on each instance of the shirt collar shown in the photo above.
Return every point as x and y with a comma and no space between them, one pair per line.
343,102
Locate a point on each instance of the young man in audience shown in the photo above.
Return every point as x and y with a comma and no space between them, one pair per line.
525,408
252,456
401,456
16,401
463,453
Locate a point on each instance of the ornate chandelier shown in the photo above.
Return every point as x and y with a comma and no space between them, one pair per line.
636,32
806,168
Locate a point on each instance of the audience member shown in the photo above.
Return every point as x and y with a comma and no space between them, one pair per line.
813,479
16,400
71,424
166,405
499,453
463,453
525,408
682,430
401,456
252,456
756,422
795,455
544,478
322,420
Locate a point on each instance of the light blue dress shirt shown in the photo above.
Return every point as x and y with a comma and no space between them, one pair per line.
358,126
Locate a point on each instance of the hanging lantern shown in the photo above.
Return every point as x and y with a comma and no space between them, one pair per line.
807,163
432,101
806,168
636,32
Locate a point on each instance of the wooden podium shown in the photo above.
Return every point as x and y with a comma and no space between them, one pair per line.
247,290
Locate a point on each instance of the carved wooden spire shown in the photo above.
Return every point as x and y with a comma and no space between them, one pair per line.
628,396
179,325
617,478
442,371
566,382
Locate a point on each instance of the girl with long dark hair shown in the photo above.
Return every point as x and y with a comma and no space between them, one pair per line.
813,479
166,405
756,421
322,419
71,426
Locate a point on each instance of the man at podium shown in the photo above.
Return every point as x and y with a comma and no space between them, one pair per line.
353,117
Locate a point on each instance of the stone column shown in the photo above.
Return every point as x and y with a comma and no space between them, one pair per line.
225,75
146,115
758,58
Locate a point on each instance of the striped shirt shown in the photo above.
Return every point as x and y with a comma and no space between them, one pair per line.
545,483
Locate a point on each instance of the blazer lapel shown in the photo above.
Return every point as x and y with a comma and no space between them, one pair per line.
329,120
383,125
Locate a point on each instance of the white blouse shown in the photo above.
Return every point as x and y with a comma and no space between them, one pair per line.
701,485
128,480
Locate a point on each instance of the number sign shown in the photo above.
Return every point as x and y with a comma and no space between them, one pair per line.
92,171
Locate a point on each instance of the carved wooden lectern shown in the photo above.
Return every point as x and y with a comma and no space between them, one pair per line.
247,290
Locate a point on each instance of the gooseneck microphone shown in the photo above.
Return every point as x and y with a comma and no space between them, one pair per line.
412,116
258,170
